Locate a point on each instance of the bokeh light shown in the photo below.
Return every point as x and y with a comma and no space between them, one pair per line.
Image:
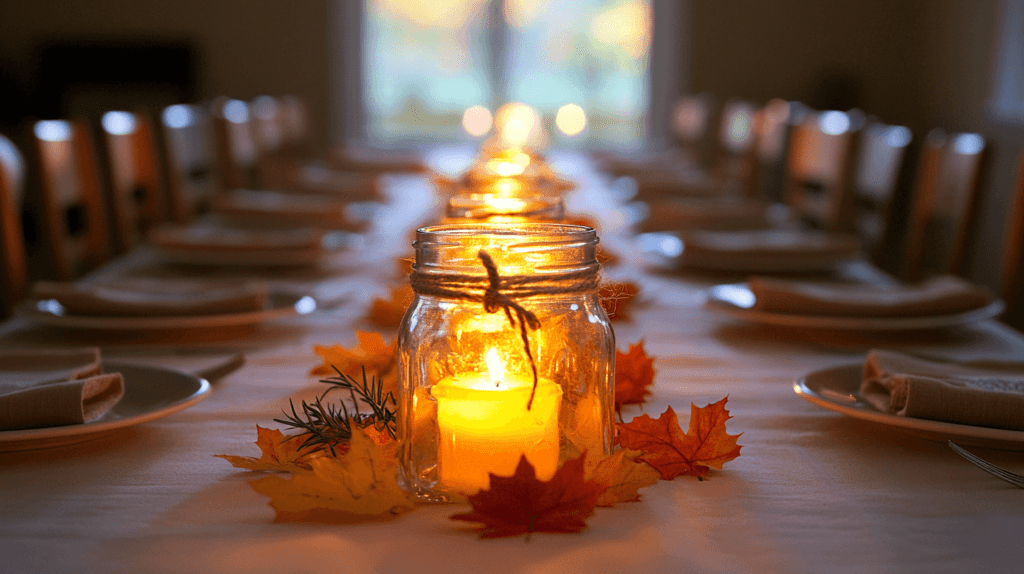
477,121
571,119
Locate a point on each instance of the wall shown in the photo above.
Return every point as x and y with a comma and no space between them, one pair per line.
248,47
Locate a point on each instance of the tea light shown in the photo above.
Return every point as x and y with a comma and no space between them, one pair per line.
485,427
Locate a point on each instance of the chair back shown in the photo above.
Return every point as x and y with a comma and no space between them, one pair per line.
191,160
69,209
13,270
276,163
237,152
736,153
819,166
880,160
692,118
136,185
773,126
1012,288
294,124
945,192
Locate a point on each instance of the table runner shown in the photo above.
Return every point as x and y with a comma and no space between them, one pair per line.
812,492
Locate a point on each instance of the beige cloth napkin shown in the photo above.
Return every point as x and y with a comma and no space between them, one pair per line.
225,239
759,248
156,298
944,295
55,388
306,209
957,393
705,213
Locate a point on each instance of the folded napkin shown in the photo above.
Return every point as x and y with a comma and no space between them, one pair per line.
156,298
943,295
376,160
742,250
704,213
226,239
55,388
305,209
957,393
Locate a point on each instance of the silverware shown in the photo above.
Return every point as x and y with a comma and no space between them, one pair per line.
996,471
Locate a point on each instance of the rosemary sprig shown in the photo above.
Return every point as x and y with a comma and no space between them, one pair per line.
325,426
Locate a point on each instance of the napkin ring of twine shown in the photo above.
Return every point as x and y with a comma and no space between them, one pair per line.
499,292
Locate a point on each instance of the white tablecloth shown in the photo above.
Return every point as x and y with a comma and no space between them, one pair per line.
813,491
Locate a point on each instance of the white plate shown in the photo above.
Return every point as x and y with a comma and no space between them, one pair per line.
737,300
281,305
333,243
149,393
838,389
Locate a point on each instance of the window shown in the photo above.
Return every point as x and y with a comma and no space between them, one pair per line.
423,64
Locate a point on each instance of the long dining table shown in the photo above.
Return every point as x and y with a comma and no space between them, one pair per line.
813,490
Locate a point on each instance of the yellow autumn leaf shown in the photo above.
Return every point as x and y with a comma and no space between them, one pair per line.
278,452
621,475
371,352
361,484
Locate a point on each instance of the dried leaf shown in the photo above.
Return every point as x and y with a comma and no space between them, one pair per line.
705,444
404,265
622,476
389,313
634,375
279,452
371,352
521,504
361,484
617,298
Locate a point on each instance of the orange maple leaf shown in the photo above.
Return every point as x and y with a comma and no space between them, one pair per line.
705,444
388,313
621,476
279,452
371,352
634,374
521,504
617,298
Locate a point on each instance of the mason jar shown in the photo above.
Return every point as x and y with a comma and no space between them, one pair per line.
504,353
505,209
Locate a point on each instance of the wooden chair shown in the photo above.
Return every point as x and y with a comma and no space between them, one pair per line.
13,269
819,169
692,125
880,160
733,167
191,160
1012,282
136,190
941,218
237,153
68,208
773,125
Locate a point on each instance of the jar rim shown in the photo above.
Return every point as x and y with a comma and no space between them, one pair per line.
526,231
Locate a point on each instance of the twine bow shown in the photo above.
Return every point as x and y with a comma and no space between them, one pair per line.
494,299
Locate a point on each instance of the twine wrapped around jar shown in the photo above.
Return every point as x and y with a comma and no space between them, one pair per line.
497,292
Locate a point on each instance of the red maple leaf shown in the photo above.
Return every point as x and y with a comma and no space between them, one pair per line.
704,446
521,504
634,374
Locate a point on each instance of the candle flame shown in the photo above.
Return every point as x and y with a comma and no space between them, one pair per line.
495,367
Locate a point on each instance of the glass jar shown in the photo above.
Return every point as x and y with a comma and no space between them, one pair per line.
497,208
470,402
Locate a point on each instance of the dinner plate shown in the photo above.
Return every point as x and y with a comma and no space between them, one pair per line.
737,301
838,389
282,305
150,393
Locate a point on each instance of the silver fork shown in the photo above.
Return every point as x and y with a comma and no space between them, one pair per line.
996,471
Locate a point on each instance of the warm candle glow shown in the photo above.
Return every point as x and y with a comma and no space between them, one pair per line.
485,427
477,121
571,119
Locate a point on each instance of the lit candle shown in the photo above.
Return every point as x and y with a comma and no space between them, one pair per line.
485,427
